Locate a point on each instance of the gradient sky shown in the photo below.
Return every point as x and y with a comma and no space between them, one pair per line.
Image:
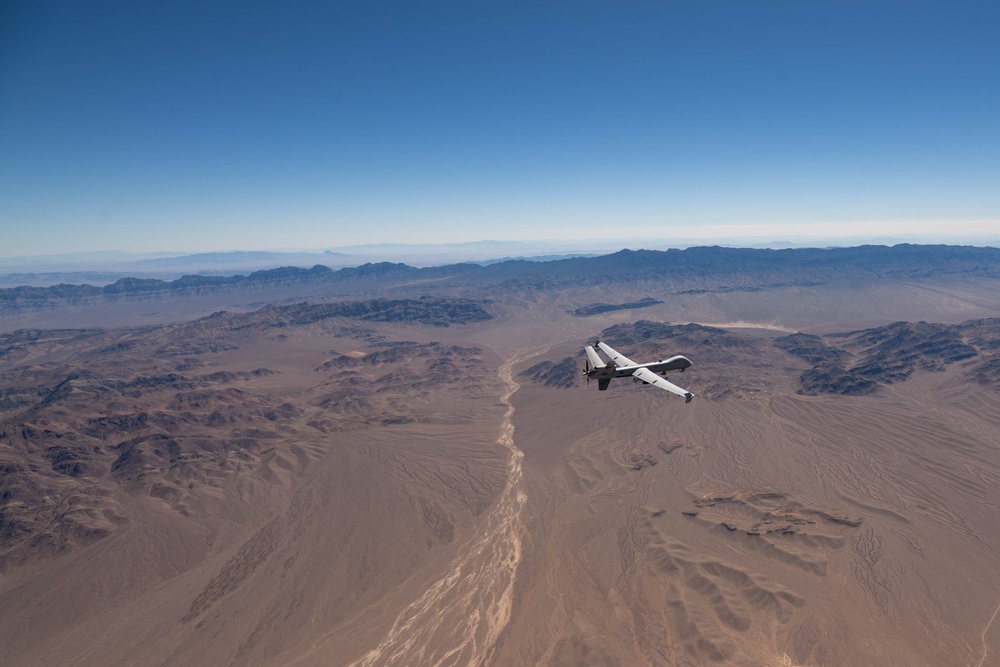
193,126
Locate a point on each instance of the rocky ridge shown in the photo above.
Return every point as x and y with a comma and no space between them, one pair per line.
600,308
858,362
172,414
854,363
691,271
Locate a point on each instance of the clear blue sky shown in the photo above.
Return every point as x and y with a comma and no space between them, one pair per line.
260,125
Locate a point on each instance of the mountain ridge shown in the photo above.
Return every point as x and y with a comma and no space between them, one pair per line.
728,268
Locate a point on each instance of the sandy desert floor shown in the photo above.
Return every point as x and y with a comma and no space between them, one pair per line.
398,494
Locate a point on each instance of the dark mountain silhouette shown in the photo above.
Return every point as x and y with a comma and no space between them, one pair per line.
691,271
599,308
860,361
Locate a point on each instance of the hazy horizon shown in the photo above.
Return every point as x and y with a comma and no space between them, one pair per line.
540,246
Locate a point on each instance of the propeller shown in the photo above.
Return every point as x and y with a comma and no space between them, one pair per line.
586,370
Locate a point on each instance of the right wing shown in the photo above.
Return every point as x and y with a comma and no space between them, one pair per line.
649,377
617,357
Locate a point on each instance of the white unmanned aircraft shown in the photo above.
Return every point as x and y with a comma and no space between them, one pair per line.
621,366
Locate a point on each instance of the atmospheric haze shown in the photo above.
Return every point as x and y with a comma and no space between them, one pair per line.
388,465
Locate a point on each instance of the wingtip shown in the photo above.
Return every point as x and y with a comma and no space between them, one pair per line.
688,396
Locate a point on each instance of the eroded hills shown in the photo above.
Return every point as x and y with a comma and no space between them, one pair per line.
416,473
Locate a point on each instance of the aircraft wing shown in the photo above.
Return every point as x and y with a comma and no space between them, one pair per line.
617,357
595,361
652,378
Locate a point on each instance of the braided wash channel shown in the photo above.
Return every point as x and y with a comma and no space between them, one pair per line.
458,620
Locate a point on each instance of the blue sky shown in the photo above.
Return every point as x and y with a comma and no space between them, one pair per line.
193,126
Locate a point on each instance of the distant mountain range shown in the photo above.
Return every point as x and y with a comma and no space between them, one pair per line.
861,285
106,267
709,269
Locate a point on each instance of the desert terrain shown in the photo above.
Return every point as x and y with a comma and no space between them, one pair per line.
393,466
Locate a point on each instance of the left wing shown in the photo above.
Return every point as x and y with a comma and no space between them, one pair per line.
617,357
595,361
649,377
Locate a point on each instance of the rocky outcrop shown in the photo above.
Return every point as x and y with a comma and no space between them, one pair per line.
600,308
832,379
436,312
858,362
561,375
892,352
811,348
